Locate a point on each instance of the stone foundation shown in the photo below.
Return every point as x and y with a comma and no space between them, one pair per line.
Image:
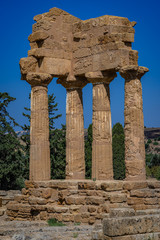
5,198
84,201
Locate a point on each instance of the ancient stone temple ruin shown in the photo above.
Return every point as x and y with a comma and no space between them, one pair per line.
77,53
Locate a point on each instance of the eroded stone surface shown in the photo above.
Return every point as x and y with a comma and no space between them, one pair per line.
79,52
93,45
39,134
134,123
83,201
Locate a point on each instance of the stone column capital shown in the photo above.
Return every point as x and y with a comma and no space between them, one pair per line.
133,72
72,82
101,77
38,79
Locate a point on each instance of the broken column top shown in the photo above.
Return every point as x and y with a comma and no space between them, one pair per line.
63,45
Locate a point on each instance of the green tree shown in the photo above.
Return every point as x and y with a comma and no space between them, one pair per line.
57,138
118,148
11,152
155,161
52,109
26,140
58,152
88,152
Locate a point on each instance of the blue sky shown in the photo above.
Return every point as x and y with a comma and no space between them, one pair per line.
16,18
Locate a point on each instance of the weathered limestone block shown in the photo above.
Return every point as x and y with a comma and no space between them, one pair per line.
112,186
121,212
94,200
43,52
30,184
143,193
134,124
42,25
129,185
38,36
39,131
28,64
131,225
153,184
55,66
87,185
102,166
117,198
147,236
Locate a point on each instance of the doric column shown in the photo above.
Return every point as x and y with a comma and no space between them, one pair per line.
39,127
75,158
102,164
134,123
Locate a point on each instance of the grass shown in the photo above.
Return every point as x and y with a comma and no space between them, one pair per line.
151,238
75,235
55,223
149,141
77,223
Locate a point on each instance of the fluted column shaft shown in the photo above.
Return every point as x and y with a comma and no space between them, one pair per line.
39,128
102,166
75,157
134,124
102,163
75,161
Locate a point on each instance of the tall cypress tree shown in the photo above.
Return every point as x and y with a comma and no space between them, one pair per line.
88,152
11,151
118,148
57,138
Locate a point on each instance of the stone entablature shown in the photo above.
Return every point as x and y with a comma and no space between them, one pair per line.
62,44
80,52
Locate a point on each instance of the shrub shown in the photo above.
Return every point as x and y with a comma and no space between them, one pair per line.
149,141
149,159
146,146
75,235
157,149
155,143
155,161
55,223
156,172
148,172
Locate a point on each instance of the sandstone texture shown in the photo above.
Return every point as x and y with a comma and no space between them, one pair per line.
102,166
79,52
63,44
134,123
88,201
39,230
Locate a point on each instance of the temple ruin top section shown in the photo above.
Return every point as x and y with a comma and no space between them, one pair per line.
63,45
